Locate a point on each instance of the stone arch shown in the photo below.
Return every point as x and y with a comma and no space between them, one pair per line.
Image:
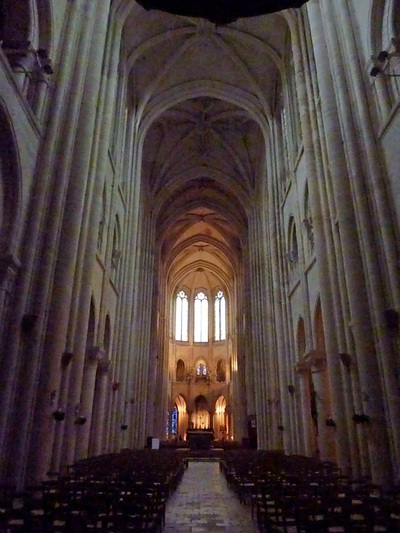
201,369
180,370
301,338
107,336
91,329
319,338
201,415
293,246
182,417
220,419
221,370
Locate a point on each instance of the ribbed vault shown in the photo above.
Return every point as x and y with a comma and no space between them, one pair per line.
204,97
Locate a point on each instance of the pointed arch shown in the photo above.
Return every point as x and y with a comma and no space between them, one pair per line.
300,338
91,329
107,335
180,370
221,371
293,247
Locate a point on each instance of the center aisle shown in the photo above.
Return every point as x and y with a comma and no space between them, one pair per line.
203,502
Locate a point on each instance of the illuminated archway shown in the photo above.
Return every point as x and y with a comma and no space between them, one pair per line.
201,415
221,429
179,426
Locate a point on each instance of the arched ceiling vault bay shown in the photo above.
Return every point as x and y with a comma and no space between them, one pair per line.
205,97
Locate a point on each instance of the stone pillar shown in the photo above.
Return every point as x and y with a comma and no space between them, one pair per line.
62,405
99,405
304,372
42,185
89,231
280,350
310,124
332,111
43,230
379,240
326,437
94,357
259,355
76,170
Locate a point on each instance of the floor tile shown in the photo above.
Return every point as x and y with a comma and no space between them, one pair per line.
203,503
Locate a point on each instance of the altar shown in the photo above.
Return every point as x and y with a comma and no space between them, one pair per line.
200,439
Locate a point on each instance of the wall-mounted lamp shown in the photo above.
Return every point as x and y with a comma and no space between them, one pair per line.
381,63
346,359
360,418
330,423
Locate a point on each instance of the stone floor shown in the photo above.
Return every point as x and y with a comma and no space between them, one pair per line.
203,502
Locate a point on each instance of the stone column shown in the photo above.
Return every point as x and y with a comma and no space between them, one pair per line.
99,405
304,371
322,33
257,369
40,372
277,251
78,167
326,437
142,320
94,357
15,379
62,405
323,236
89,232
378,233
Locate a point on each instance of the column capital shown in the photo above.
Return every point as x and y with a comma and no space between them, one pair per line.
94,354
316,358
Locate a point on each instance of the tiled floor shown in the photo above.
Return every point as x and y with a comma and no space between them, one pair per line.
203,503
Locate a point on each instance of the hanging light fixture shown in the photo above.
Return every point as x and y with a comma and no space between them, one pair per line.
220,11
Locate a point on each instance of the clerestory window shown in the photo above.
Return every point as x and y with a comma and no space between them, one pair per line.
182,317
220,317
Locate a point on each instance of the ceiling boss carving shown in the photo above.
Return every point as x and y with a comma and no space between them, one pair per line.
220,12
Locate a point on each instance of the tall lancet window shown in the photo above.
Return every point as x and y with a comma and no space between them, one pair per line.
220,316
181,317
200,318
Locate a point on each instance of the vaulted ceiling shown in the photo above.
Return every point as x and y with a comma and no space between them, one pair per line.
205,97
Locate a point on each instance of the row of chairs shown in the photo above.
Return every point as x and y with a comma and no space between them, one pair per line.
114,493
295,494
